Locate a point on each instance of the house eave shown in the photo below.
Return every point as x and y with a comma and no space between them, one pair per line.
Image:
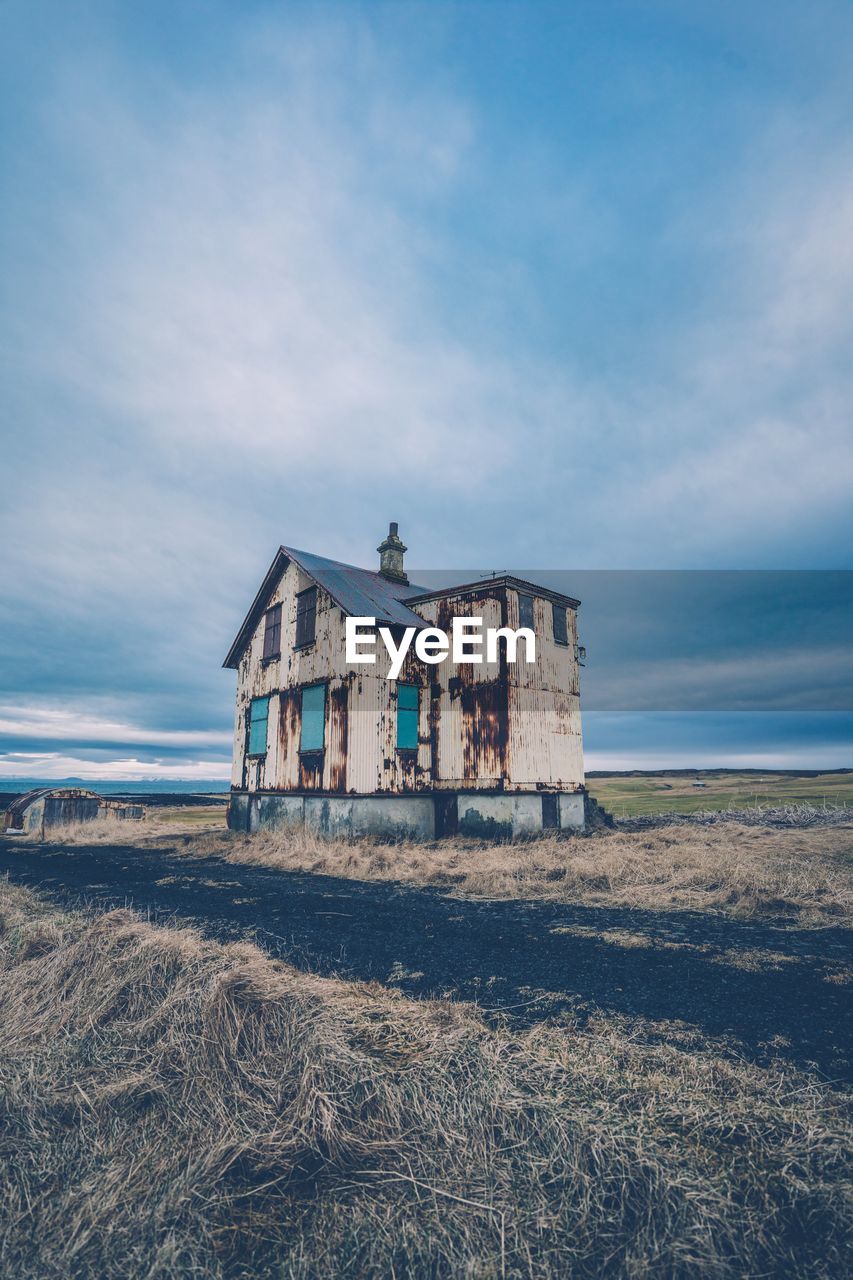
503,580
384,614
232,660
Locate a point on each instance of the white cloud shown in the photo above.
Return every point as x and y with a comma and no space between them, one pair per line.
246,311
733,489
63,725
737,450
806,251
256,293
254,290
53,765
770,677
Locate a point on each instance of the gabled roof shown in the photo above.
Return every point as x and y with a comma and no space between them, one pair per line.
361,593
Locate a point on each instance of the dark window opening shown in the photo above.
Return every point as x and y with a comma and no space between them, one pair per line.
306,617
408,707
525,611
313,733
550,812
561,624
272,633
446,814
259,711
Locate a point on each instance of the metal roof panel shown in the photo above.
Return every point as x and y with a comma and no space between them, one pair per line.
361,592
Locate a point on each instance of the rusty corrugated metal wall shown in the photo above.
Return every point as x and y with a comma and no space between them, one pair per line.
496,726
545,744
469,706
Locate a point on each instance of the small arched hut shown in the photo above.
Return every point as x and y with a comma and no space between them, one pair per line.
38,811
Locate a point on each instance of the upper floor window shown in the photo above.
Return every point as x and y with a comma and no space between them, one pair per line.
306,617
408,706
525,611
272,633
259,712
313,734
561,623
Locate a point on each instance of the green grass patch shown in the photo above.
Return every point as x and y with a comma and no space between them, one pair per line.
628,797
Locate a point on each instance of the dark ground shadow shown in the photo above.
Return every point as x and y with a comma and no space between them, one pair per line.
768,985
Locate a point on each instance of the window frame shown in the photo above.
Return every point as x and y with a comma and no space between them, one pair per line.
252,721
310,750
560,611
301,614
529,600
272,634
408,747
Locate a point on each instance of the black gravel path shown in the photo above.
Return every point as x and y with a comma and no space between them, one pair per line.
772,988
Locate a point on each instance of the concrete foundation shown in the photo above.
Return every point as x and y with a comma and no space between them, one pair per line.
504,816
571,810
498,817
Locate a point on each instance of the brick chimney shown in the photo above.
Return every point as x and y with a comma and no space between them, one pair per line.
391,556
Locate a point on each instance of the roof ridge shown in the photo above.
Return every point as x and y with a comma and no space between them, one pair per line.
404,588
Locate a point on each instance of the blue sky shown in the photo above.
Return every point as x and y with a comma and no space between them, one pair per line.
564,286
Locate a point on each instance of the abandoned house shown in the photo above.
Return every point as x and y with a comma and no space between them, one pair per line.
490,749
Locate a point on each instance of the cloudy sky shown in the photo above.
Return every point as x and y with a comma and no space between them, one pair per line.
557,287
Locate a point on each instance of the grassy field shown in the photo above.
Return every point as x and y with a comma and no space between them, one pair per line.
802,873
623,796
186,818
627,797
173,1107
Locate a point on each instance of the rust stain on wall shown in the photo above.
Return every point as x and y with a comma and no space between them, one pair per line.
484,729
311,771
289,720
338,737
490,727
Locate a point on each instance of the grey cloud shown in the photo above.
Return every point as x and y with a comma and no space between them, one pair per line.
273,312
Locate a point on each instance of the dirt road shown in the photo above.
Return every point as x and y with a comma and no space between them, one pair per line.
774,989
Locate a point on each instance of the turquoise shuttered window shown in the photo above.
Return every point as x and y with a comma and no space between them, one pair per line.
259,711
408,696
313,718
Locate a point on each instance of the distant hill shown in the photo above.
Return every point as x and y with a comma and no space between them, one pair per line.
145,786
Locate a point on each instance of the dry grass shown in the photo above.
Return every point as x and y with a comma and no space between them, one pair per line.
723,866
780,815
172,1107
727,866
166,821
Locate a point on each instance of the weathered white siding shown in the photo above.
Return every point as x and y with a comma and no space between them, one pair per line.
360,755
469,703
281,678
508,726
545,747
493,727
